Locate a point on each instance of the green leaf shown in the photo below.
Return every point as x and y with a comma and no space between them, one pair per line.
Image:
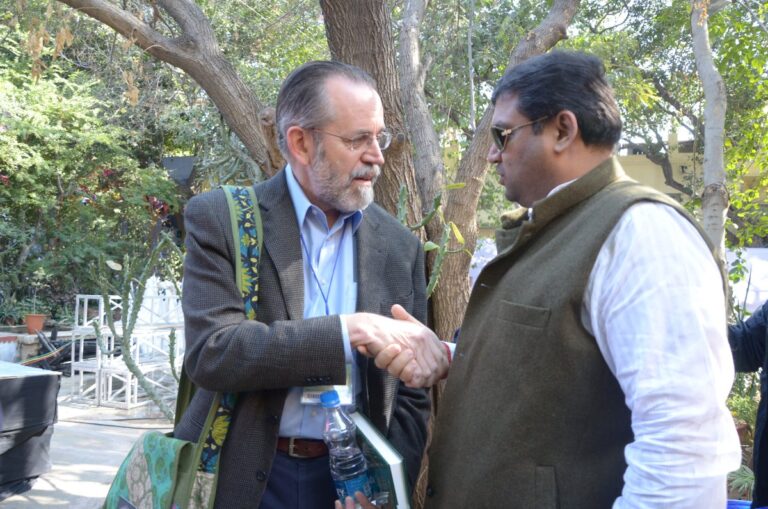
457,233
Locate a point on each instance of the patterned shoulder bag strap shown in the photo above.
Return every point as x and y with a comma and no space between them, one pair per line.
244,207
248,234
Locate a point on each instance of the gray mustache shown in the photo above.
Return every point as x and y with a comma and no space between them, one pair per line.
369,171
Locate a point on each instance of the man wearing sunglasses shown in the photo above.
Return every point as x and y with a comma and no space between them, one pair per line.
333,265
592,367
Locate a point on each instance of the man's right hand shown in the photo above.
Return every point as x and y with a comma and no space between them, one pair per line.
402,345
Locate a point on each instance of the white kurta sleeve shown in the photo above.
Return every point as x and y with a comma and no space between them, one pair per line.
655,304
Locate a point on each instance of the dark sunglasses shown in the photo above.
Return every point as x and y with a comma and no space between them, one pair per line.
500,136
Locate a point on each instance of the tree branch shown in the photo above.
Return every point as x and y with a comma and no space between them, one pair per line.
473,164
714,200
129,26
452,115
755,18
191,20
593,27
195,52
661,160
665,94
551,30
427,160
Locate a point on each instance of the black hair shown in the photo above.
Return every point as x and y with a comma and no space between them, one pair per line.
547,84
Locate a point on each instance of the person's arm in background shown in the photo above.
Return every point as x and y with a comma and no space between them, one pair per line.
747,340
656,306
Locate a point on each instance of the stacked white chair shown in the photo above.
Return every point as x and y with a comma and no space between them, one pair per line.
113,383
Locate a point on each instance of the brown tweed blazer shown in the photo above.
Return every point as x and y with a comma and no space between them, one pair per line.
261,359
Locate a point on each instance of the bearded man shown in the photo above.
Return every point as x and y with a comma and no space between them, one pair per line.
333,265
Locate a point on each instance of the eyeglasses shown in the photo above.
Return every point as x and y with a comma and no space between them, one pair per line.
500,136
383,139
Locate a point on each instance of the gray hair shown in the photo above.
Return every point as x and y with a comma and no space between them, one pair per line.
302,99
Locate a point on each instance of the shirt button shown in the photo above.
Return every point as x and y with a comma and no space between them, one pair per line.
274,419
261,476
430,491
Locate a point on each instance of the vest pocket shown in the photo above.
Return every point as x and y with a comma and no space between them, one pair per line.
532,316
546,488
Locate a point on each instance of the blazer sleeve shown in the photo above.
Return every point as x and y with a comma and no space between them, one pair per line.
408,427
747,340
227,352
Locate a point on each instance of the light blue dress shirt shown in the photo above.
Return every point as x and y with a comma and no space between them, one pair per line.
329,289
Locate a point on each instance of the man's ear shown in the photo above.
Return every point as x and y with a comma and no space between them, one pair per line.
300,144
567,130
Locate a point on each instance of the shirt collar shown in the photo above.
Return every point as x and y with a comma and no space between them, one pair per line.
559,187
303,206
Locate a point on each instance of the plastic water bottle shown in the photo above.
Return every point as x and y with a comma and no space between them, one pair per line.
348,467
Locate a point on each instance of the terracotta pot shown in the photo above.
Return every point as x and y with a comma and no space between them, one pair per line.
34,322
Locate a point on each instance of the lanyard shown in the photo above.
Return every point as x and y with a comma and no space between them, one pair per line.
333,271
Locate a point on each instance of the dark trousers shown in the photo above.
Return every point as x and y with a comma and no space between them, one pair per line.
296,483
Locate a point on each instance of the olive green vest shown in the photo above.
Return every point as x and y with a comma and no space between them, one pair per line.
532,417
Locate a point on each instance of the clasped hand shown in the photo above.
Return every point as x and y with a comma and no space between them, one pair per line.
402,345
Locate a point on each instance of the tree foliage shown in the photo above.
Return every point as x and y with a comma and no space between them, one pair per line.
71,188
647,48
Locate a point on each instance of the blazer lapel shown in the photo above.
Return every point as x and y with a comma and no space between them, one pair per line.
282,243
370,273
370,270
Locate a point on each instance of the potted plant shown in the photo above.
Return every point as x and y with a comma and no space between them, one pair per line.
34,320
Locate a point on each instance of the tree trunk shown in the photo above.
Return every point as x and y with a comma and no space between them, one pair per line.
428,159
714,199
195,52
359,32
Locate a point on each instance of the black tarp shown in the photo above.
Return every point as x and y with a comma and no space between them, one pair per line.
27,414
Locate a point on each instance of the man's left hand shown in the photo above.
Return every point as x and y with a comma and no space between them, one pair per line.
350,504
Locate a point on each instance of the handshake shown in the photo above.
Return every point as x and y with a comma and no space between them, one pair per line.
402,345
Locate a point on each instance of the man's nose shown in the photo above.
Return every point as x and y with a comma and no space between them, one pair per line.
494,154
373,154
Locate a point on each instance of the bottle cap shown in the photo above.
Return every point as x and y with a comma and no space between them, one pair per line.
329,399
